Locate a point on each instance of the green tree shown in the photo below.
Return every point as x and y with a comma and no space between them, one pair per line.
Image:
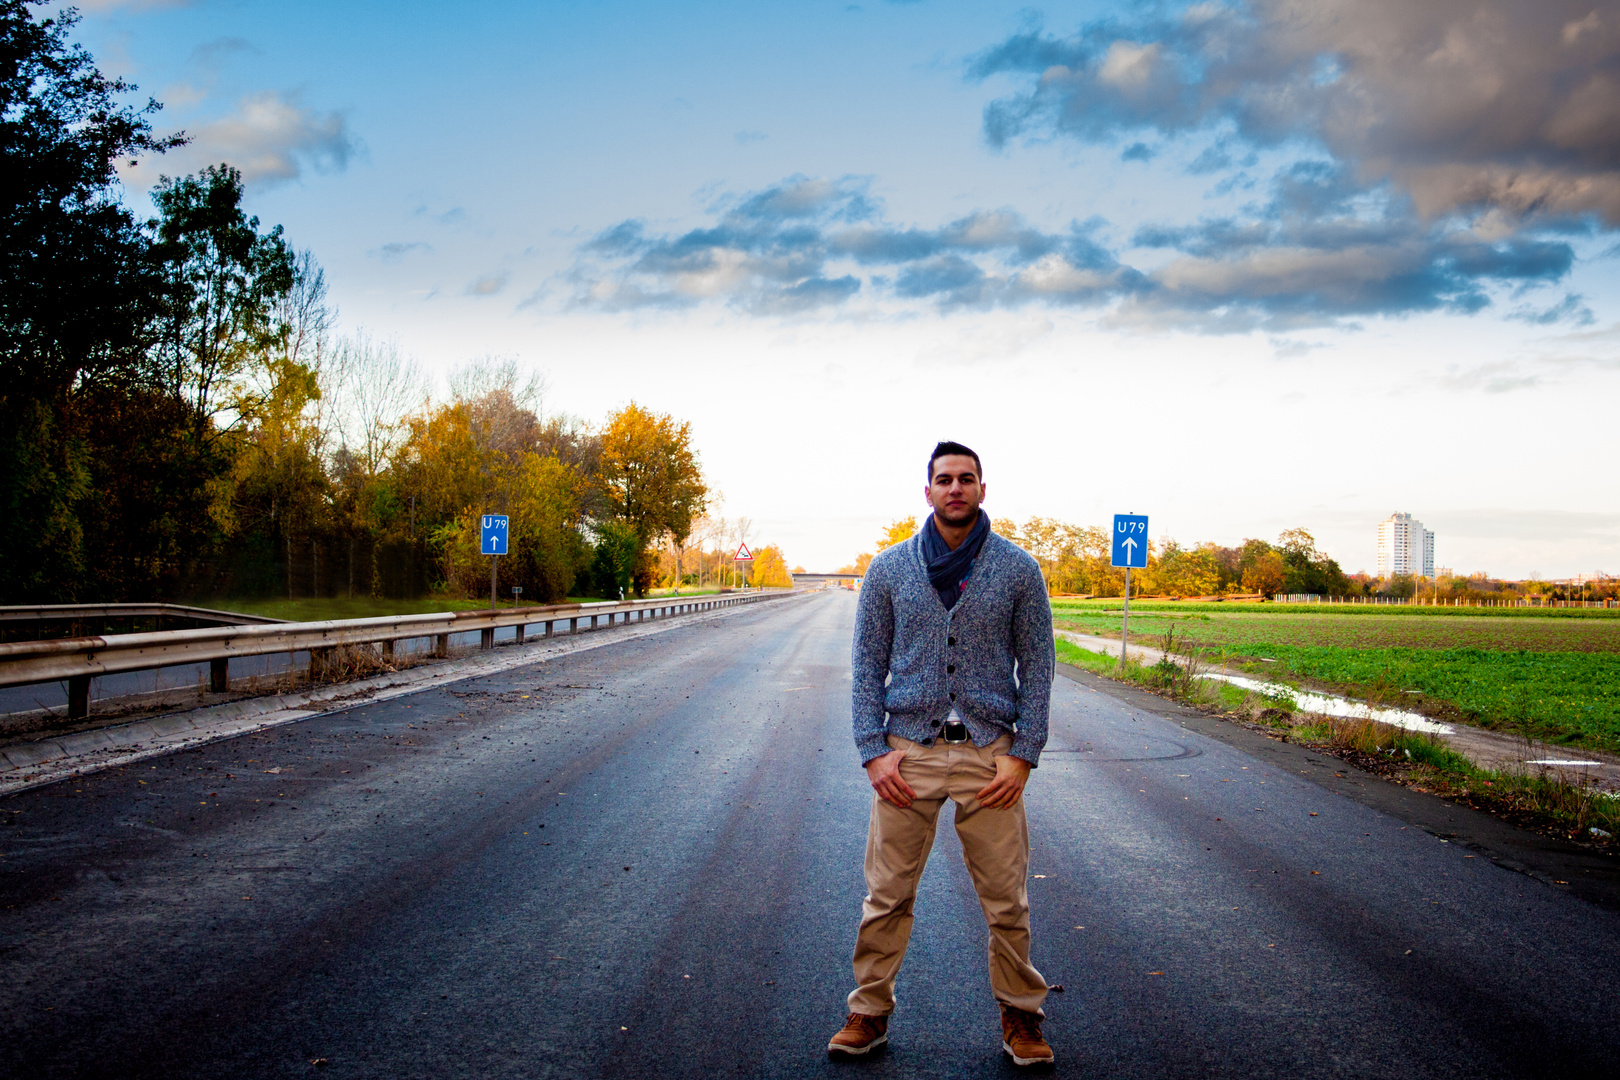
77,289
613,562
1309,570
224,281
547,549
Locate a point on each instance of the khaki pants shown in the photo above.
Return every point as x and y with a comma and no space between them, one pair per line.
995,846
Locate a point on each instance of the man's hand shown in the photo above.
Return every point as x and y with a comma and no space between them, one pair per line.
1011,776
884,772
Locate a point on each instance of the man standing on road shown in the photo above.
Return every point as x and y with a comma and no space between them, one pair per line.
953,663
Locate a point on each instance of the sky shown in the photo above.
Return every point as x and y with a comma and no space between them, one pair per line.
1240,267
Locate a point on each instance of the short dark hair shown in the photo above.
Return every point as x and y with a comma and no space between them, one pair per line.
948,447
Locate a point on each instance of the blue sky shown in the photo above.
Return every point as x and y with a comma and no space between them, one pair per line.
1237,266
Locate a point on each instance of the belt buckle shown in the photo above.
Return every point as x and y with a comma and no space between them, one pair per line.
954,733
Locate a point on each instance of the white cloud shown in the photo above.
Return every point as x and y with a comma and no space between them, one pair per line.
270,137
138,5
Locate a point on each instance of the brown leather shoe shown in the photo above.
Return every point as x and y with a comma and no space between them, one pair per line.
1021,1037
861,1034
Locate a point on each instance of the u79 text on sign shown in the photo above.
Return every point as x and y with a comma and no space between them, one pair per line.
494,535
1130,540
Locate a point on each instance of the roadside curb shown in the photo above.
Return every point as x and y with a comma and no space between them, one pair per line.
1588,874
52,759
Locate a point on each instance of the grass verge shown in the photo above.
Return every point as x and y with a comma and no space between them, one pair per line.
1532,678
363,607
1537,800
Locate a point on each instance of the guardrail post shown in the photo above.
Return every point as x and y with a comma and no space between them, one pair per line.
520,629
388,650
486,638
593,622
78,697
219,675
548,628
441,646
573,627
320,660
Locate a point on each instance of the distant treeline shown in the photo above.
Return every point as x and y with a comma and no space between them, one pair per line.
177,417
1075,559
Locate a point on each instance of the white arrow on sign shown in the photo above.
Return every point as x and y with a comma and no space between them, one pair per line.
1129,544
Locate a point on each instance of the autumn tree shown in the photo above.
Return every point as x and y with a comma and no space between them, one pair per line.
769,569
1265,574
650,479
896,531
1179,571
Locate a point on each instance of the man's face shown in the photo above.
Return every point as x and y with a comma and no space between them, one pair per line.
955,492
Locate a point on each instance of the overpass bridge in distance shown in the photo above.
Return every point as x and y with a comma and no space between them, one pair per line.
836,580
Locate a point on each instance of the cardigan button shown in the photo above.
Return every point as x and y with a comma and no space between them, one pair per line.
950,669
953,696
936,723
950,641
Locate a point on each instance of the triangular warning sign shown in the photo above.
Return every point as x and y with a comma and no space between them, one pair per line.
743,554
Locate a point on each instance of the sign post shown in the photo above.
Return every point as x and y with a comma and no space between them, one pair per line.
1130,549
743,556
493,544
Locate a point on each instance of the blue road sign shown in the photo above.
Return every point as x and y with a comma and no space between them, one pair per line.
494,535
1130,540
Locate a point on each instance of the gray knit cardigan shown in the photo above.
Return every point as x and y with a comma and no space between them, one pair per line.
991,656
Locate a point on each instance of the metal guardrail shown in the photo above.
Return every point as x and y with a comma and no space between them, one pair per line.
86,612
79,659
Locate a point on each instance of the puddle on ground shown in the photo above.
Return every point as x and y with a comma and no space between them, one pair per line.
1326,704
1561,761
1329,705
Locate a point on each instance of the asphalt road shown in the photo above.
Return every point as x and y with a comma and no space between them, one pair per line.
644,861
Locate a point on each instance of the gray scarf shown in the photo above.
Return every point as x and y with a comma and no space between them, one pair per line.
947,569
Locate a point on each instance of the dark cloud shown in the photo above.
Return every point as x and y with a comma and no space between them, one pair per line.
488,284
1462,106
1571,309
1444,151
1312,254
394,252
211,54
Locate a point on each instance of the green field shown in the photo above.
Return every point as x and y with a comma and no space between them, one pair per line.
1553,673
1244,628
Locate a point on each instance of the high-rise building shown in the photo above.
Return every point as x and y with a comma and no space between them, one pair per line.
1405,547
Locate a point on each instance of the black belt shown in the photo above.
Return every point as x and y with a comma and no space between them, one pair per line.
954,733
